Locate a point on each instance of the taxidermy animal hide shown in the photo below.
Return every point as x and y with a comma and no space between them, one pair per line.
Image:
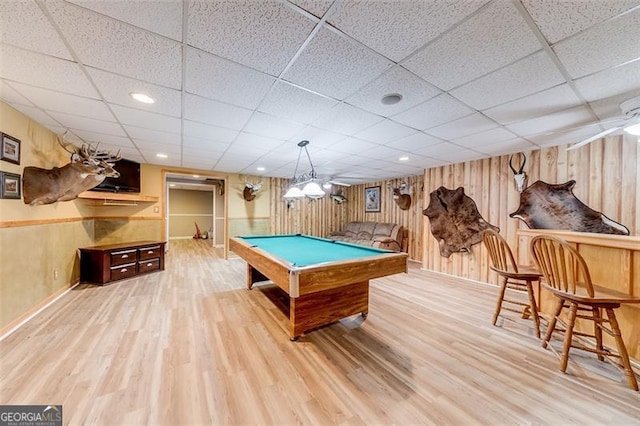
455,220
549,206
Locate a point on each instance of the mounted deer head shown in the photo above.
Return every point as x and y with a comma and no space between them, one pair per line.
519,176
251,189
401,196
87,169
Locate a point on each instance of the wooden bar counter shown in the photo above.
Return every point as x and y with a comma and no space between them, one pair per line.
614,262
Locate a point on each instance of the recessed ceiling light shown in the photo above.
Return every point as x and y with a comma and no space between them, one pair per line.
195,176
403,158
161,155
141,97
260,169
391,99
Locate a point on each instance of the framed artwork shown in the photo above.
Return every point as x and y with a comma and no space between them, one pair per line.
372,199
10,185
10,149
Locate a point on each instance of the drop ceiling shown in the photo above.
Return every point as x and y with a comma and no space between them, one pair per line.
237,84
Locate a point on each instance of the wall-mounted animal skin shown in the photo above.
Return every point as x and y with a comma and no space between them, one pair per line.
554,206
455,221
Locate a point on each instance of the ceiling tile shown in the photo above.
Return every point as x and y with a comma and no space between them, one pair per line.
529,75
293,103
152,136
346,119
438,110
233,163
116,89
551,100
83,123
335,66
397,80
510,146
555,122
249,142
147,119
383,153
476,47
162,17
217,113
61,102
315,7
274,127
565,137
441,149
470,125
17,20
204,131
414,142
44,71
461,156
317,137
602,46
385,132
352,146
10,95
558,19
216,78
203,145
153,147
102,139
123,49
400,27
263,35
485,138
611,82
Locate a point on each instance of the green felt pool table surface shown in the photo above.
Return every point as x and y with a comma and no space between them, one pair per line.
304,250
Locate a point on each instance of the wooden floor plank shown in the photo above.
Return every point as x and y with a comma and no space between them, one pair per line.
193,345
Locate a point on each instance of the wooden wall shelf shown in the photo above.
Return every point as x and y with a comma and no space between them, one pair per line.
117,197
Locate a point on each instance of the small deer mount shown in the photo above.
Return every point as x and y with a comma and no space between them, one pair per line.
250,189
402,196
520,176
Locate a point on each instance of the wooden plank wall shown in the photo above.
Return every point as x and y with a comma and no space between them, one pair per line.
320,217
606,173
607,180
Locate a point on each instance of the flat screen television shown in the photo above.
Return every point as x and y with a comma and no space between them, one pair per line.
128,181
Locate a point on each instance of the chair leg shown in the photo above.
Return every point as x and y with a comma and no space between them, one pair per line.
597,331
568,335
534,308
622,350
552,324
503,289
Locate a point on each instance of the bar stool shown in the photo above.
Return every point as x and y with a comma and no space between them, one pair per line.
513,277
567,276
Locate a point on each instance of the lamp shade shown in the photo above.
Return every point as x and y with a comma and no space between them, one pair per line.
313,190
294,192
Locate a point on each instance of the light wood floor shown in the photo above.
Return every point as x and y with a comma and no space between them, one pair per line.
192,346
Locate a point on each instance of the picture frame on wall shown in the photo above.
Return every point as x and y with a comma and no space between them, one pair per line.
10,149
10,186
372,199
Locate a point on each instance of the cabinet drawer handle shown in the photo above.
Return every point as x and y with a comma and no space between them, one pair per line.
124,256
150,252
149,264
123,270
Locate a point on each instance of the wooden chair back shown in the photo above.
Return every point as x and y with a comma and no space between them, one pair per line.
563,268
501,256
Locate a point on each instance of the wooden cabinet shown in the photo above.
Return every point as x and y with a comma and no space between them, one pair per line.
103,264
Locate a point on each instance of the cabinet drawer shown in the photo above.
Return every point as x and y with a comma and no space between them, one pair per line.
123,271
121,257
148,265
149,252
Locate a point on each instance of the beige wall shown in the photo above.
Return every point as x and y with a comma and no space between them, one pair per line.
187,207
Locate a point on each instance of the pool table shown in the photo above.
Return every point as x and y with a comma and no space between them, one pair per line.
325,280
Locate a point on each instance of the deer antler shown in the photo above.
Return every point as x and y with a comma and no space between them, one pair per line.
67,144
